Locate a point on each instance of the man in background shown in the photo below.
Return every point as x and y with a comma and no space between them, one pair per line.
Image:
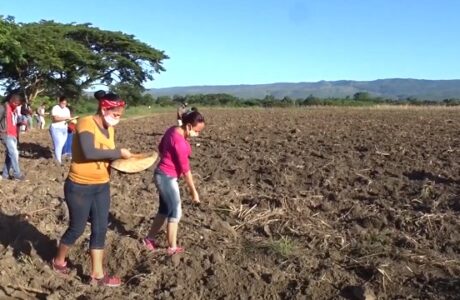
9,136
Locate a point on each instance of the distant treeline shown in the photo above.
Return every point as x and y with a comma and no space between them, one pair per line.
87,103
358,99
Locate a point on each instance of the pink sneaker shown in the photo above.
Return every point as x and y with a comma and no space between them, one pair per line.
61,269
149,244
175,250
109,281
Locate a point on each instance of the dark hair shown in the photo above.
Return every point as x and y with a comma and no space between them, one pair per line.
62,98
192,117
99,95
12,96
102,95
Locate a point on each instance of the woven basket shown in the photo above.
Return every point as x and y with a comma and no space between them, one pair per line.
136,163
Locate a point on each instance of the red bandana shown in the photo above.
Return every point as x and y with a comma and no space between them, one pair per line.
107,104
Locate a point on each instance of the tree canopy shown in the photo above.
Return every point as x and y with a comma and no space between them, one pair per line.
58,58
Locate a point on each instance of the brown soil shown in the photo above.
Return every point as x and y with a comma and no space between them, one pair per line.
306,204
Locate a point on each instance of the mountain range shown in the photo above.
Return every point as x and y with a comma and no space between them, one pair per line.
395,88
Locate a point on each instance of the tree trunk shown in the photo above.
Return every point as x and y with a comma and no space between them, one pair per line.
33,94
31,91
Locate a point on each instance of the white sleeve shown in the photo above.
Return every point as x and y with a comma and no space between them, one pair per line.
67,112
55,111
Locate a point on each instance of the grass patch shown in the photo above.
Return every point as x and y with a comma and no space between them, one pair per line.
283,247
141,111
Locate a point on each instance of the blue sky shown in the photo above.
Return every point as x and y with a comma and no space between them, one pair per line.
263,41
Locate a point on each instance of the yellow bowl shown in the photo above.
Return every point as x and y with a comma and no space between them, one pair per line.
136,163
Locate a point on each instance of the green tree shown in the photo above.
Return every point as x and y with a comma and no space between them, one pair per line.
164,101
311,100
287,101
147,99
361,96
413,100
179,99
131,93
68,58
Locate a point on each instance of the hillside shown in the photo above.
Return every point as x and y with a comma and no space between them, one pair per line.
387,88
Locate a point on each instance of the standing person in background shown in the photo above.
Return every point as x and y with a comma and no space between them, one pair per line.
87,188
9,135
35,117
41,111
181,109
174,163
71,125
21,118
25,117
58,129
29,118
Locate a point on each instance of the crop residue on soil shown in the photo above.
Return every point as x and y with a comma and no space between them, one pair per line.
322,204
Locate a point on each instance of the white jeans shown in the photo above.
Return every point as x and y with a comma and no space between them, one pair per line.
59,136
41,120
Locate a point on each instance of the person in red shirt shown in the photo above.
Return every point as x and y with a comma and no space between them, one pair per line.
9,136
174,151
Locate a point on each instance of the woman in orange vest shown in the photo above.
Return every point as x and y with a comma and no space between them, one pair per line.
87,189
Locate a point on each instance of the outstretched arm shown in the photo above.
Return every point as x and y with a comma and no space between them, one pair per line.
92,153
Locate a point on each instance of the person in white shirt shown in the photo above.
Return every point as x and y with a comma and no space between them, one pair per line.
41,116
20,119
60,114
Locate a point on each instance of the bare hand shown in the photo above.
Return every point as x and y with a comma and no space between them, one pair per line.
195,197
125,153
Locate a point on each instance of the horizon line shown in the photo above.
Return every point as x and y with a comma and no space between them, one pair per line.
296,82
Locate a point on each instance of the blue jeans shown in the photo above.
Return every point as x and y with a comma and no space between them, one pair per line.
170,203
11,157
83,201
59,136
30,123
67,150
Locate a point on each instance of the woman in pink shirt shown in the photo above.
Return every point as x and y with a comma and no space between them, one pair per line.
174,163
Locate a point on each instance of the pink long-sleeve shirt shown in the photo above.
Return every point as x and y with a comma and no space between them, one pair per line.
174,152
